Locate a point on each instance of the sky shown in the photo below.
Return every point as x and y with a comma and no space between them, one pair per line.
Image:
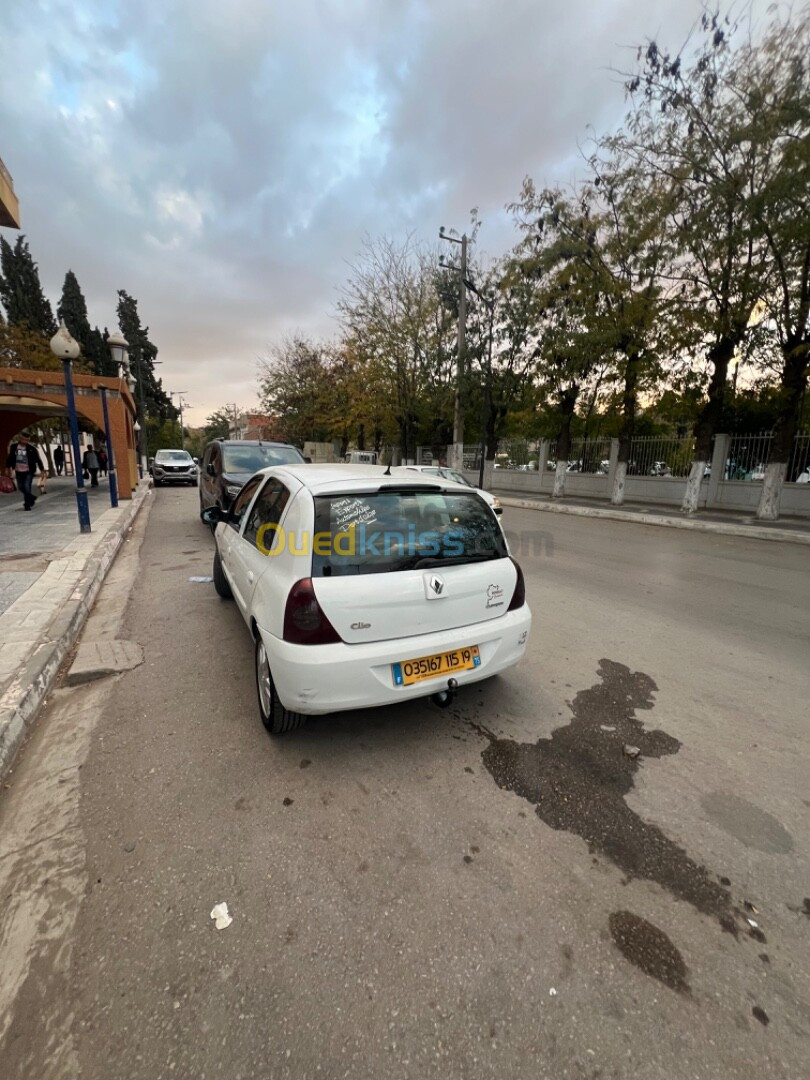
223,162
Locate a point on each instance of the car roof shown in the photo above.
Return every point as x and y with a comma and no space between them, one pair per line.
319,479
250,442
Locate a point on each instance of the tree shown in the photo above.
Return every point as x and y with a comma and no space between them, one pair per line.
152,399
390,313
72,308
294,384
20,289
21,347
685,126
772,84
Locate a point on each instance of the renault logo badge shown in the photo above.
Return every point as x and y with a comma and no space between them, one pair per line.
437,585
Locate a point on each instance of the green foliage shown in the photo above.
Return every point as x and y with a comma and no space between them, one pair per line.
149,393
21,291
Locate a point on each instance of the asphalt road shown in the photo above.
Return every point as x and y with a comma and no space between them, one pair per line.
496,890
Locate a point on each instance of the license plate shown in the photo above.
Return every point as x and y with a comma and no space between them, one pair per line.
429,667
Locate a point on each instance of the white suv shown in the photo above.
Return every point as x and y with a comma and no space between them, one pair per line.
363,589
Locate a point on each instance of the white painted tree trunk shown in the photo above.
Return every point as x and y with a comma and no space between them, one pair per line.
771,497
691,496
559,480
617,495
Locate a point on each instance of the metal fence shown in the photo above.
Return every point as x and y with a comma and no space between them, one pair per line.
589,456
655,455
749,454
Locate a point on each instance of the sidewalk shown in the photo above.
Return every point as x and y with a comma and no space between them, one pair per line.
49,577
792,530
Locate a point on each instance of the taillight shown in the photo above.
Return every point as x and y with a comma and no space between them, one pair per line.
304,620
519,595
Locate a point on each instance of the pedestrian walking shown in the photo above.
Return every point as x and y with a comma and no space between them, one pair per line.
23,461
90,465
102,462
59,460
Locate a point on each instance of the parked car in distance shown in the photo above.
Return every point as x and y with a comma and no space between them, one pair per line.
361,457
804,476
227,464
173,467
758,472
362,589
457,478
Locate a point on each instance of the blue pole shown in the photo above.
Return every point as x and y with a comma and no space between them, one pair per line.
81,493
110,454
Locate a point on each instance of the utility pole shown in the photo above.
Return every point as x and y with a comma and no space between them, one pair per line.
458,408
180,404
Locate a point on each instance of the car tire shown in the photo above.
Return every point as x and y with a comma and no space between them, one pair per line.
155,483
276,719
220,581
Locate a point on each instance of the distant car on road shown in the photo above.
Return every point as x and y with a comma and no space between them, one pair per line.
660,468
457,478
173,467
227,464
363,589
804,476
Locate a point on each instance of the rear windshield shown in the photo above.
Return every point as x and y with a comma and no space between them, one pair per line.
249,459
388,531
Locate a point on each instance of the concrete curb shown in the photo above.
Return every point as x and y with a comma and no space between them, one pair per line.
752,532
22,700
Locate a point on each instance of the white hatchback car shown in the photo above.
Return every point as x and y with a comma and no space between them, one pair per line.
362,589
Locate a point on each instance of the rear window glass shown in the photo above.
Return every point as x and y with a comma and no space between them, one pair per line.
389,531
249,459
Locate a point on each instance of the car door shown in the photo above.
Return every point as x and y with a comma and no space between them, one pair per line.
252,553
228,539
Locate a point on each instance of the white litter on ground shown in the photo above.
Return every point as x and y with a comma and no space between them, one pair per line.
200,579
220,914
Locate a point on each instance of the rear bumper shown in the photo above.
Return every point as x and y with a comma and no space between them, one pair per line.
316,679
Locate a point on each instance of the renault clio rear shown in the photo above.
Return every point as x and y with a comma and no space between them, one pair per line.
362,589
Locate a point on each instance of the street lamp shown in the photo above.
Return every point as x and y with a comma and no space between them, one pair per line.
119,351
67,349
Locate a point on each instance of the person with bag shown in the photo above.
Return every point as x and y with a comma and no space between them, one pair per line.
23,461
59,460
90,466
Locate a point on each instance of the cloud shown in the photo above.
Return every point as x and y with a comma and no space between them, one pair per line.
222,163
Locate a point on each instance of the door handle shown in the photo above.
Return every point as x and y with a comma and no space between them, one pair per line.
250,576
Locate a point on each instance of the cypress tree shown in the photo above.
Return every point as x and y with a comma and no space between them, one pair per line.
142,356
21,290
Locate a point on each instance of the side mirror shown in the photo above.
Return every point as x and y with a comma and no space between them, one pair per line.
213,515
210,469
308,460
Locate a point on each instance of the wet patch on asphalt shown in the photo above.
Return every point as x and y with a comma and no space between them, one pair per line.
649,949
747,823
577,781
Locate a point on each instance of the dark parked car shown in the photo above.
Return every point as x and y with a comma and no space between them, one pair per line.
173,467
227,464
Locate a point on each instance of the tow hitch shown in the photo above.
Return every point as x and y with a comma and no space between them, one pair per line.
443,698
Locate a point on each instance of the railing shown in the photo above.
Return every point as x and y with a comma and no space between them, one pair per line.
799,465
747,456
589,456
656,455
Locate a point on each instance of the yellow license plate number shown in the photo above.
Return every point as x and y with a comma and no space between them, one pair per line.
408,672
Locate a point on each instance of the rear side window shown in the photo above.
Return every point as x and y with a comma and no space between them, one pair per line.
266,513
390,531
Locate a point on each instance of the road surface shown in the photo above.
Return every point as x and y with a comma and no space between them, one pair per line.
496,890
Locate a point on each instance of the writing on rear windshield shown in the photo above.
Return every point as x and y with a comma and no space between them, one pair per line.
348,512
